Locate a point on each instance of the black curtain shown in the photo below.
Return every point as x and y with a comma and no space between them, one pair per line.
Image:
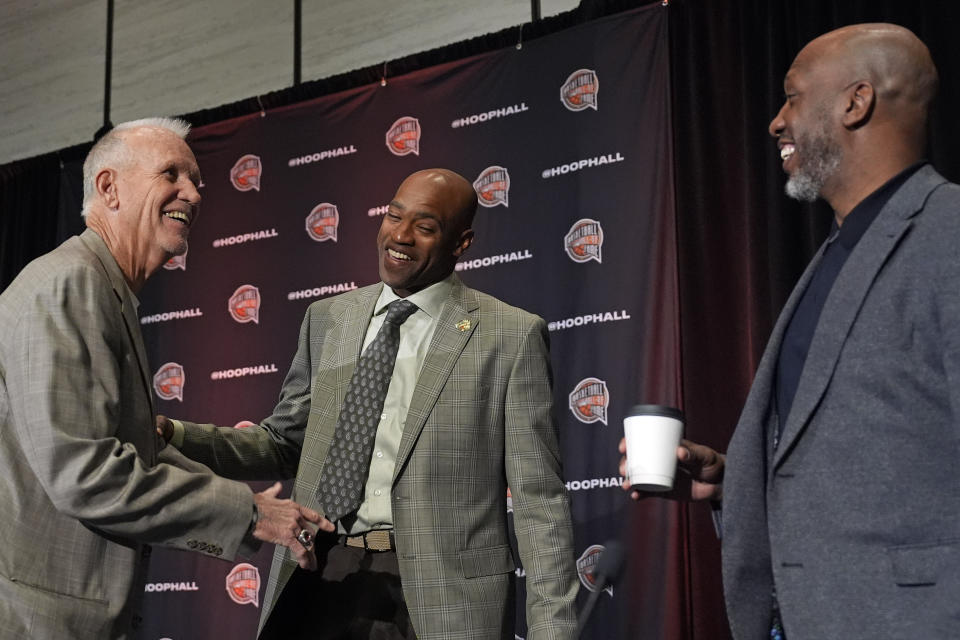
741,243
29,201
40,201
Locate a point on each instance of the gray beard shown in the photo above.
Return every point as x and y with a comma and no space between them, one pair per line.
823,160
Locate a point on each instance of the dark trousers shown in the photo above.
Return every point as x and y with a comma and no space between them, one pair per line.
353,595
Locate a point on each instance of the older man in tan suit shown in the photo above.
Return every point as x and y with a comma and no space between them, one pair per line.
85,483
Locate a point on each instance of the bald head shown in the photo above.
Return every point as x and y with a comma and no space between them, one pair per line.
855,113
890,58
454,188
425,230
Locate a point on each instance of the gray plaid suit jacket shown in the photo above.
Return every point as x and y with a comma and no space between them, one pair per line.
83,480
856,515
480,420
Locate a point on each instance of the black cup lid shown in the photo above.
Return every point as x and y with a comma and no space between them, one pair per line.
655,410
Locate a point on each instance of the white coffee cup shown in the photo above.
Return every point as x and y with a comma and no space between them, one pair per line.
652,433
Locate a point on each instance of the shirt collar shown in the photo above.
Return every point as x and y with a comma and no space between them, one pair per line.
429,300
857,221
109,262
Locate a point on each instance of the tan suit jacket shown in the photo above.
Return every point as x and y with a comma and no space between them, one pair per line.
83,480
480,420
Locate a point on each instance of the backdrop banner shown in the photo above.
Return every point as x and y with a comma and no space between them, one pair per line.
567,140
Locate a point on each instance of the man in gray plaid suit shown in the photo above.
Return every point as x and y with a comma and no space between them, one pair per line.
85,482
467,414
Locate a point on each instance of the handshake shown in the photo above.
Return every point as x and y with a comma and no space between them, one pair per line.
278,521
290,524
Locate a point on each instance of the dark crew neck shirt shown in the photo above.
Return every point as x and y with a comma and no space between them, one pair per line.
839,245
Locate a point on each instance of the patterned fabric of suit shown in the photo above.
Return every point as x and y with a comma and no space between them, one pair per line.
856,515
84,481
480,419
341,485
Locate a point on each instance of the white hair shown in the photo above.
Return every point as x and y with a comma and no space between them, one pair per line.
111,150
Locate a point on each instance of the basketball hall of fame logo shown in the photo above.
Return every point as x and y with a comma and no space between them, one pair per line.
245,174
493,186
323,221
403,137
587,568
589,401
579,92
243,584
584,241
244,304
169,380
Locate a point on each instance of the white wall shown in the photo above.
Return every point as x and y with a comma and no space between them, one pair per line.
179,56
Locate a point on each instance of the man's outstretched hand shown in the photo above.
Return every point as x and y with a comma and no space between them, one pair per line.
164,428
281,522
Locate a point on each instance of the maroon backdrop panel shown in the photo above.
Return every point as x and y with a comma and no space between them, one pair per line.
568,141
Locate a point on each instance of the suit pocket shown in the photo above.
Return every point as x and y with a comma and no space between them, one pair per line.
917,565
31,611
489,561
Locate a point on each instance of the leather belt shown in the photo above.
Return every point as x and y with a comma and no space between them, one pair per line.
376,540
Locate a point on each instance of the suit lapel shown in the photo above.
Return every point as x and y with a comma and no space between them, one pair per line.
334,371
133,332
355,328
746,562
458,320
766,372
127,307
762,391
846,298
341,352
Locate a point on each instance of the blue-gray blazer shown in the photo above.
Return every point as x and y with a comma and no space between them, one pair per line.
856,515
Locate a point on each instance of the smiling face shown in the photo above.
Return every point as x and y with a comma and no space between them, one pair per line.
158,193
817,163
805,126
425,230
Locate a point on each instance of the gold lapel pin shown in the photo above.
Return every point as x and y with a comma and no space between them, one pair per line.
463,325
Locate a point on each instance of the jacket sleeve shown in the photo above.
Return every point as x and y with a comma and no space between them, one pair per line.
540,503
68,400
271,450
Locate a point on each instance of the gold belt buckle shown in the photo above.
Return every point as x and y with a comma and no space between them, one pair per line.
376,540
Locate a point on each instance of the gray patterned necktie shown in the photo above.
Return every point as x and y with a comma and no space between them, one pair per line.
344,473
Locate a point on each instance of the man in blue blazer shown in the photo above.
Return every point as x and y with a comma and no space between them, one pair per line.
840,518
